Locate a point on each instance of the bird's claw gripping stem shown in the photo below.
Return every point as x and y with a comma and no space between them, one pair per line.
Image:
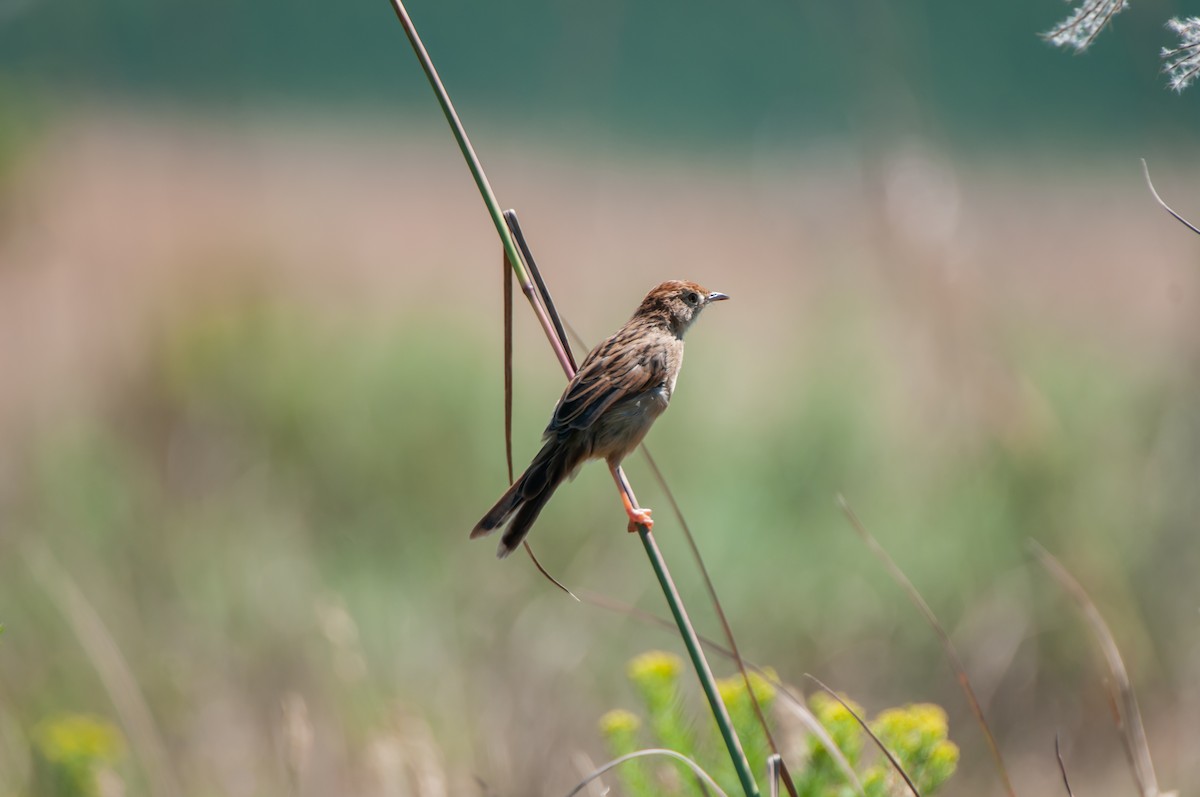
638,517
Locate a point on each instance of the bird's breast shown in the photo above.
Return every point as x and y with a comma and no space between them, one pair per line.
623,426
674,363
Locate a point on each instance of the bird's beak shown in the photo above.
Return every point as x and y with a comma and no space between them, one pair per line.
716,296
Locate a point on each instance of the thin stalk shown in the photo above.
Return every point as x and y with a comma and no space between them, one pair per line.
1062,767
514,226
692,643
948,648
724,620
1165,206
794,702
686,630
862,723
1124,701
508,377
481,181
112,668
616,762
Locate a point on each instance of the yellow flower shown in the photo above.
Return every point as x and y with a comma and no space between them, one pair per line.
831,712
733,688
654,665
929,718
76,737
944,756
912,727
619,721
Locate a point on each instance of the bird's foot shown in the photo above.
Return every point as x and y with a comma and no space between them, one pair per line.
639,518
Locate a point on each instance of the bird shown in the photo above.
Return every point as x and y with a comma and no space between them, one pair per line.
620,389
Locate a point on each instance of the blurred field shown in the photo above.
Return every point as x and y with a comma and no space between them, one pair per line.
252,405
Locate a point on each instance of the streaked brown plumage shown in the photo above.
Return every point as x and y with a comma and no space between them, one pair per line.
622,386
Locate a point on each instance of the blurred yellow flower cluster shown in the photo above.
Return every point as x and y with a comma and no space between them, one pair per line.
916,735
72,752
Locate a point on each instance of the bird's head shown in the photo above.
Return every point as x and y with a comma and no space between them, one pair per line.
676,303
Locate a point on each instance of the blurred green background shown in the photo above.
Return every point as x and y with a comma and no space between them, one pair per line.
252,397
699,72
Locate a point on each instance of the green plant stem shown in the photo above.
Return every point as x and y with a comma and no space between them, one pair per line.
686,630
481,181
692,643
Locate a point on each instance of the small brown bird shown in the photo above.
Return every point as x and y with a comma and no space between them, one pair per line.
621,387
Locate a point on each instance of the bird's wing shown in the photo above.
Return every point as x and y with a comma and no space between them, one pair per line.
618,368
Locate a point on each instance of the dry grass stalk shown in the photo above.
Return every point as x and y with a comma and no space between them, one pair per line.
951,652
111,666
1125,708
863,724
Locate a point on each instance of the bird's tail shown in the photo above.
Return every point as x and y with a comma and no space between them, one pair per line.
526,498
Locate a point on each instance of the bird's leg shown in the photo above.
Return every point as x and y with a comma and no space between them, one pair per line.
637,516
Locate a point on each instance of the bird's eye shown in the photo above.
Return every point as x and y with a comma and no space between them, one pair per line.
691,297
